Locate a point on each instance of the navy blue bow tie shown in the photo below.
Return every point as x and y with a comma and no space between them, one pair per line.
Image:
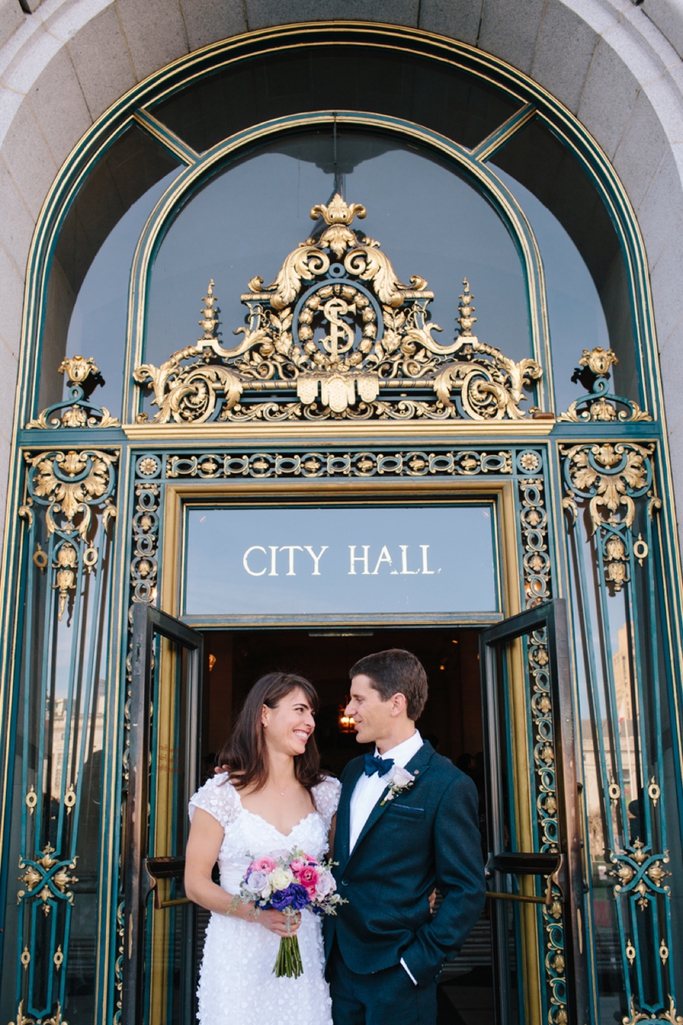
373,765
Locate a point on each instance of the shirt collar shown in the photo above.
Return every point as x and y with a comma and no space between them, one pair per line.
404,751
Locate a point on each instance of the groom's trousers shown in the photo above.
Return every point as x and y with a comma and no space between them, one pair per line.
382,998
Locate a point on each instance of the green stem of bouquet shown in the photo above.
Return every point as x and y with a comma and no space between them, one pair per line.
288,962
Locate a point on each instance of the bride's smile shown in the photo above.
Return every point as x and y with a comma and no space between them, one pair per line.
288,727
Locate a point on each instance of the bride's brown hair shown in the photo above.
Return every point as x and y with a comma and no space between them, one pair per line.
245,753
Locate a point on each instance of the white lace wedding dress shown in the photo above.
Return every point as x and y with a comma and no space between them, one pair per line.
236,982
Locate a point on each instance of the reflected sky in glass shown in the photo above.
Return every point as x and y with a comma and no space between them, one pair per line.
338,561
429,221
98,320
575,313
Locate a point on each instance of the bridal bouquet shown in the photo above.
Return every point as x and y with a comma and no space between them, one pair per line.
289,882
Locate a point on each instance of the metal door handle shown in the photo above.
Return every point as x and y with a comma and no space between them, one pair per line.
165,868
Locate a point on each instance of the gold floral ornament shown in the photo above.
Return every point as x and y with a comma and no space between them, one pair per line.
337,335
83,375
610,477
47,878
70,485
640,873
23,1019
600,405
668,1014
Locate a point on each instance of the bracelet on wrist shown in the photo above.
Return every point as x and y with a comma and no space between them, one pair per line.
234,904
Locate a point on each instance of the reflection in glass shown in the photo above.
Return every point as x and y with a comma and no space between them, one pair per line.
95,326
627,756
98,320
336,78
428,220
549,169
575,313
56,813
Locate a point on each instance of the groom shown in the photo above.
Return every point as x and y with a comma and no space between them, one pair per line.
407,822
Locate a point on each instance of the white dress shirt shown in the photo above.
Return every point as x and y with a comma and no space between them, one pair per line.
369,789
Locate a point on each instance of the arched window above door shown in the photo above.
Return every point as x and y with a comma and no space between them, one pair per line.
491,124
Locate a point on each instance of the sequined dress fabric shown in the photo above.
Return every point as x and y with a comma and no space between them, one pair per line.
236,981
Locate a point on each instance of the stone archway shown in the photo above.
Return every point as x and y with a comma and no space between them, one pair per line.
65,64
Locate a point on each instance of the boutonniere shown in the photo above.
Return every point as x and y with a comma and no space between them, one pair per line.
398,779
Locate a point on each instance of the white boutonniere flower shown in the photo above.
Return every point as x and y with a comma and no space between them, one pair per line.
397,779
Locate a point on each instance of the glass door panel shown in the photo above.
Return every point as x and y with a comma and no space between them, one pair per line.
535,873
160,940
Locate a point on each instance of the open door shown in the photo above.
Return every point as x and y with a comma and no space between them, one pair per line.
159,958
535,865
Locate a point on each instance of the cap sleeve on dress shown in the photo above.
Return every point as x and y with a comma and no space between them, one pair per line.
219,797
326,796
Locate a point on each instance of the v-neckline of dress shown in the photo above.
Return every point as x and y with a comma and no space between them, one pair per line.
255,815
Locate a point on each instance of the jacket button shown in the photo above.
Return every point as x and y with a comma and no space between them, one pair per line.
345,882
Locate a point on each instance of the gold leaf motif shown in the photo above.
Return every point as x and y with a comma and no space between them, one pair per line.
80,413
335,328
610,476
666,1015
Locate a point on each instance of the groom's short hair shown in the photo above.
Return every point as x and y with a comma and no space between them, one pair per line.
396,671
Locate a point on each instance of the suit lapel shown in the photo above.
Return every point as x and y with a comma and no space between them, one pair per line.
418,765
342,841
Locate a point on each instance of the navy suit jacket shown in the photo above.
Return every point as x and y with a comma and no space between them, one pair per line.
426,836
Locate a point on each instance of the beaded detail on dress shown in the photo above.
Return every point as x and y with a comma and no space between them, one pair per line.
236,983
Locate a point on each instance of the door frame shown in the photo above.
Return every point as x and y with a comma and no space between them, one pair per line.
552,617
146,622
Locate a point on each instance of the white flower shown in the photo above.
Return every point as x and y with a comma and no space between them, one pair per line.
397,779
326,885
281,878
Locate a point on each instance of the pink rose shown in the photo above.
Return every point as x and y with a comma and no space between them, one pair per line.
264,864
296,866
308,876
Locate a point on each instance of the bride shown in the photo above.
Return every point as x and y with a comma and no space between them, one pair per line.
273,798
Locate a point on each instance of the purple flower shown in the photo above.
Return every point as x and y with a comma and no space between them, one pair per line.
294,896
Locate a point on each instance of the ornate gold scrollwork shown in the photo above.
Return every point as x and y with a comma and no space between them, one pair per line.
51,875
77,412
334,330
69,484
610,476
600,405
23,1019
668,1015
640,871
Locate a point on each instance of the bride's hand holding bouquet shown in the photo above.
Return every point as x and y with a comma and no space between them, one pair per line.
287,883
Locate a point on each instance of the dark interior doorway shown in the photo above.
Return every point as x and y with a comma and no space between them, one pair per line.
452,717
452,721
